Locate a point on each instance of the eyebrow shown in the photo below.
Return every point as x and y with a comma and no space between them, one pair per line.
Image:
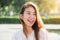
32,12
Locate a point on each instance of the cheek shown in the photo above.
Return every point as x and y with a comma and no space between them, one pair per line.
35,18
24,18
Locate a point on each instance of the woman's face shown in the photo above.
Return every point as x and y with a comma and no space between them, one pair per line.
29,16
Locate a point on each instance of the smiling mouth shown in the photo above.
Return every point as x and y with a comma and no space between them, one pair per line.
31,22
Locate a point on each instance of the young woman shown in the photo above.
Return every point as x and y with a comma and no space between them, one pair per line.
33,27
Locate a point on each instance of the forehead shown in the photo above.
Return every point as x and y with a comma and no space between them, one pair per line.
30,9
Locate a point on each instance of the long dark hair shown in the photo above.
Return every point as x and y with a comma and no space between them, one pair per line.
38,23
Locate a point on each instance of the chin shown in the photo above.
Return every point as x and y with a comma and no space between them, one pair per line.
30,24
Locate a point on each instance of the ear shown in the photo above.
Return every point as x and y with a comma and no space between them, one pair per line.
21,16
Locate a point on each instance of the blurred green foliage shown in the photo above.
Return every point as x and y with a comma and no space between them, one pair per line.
51,20
4,3
6,6
54,30
9,21
15,20
9,10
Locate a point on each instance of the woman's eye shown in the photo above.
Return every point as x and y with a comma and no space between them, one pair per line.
28,13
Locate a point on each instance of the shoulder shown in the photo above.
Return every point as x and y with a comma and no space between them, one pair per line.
17,35
42,31
43,34
19,32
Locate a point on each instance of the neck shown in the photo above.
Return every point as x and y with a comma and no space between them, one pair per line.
27,30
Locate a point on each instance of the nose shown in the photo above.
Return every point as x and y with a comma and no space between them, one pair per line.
32,16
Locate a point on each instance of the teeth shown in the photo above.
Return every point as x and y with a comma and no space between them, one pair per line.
30,21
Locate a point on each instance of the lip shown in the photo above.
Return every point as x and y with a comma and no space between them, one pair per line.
31,21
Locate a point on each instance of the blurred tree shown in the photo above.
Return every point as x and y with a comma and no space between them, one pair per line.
5,2
45,5
14,5
17,4
11,5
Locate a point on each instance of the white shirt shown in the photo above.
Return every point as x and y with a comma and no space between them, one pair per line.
21,36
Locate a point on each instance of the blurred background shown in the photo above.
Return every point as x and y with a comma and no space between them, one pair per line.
9,17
